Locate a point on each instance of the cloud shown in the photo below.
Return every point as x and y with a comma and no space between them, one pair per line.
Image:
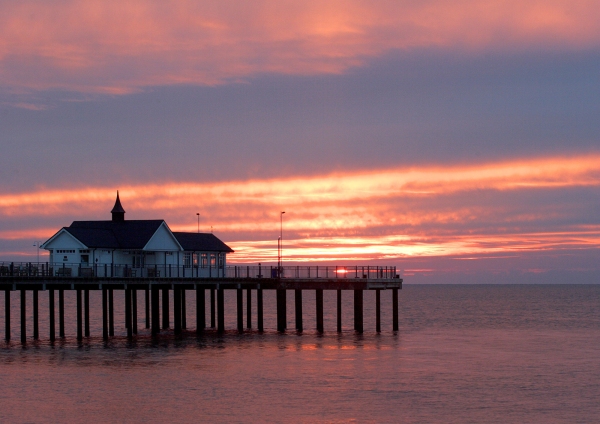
482,209
123,47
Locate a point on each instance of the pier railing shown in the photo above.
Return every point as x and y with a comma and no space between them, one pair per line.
45,269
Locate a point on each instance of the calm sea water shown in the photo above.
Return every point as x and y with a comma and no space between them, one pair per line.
464,353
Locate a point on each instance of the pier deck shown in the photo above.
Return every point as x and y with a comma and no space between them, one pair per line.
158,289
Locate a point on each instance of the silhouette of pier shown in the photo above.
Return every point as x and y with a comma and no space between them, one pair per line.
158,285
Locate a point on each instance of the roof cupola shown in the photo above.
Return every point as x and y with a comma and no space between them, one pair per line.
118,213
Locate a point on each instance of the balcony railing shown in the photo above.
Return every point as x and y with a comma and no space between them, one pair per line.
34,269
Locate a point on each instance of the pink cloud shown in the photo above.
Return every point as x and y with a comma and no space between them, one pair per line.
466,211
116,48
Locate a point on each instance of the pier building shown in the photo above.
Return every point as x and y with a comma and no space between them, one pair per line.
133,248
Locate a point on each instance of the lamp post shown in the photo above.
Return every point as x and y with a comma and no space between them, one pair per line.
281,243
198,215
37,244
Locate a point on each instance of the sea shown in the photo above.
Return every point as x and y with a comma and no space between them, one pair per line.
463,354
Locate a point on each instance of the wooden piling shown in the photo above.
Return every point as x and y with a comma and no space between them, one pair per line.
86,304
128,325
36,316
281,310
221,310
134,323
183,311
177,311
155,311
61,313
240,310
23,317
298,309
358,311
339,311
111,313
395,308
212,308
7,315
104,313
259,310
249,308
51,312
200,309
79,316
165,306
378,310
319,304
147,306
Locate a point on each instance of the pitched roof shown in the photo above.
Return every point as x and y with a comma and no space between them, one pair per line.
198,242
133,234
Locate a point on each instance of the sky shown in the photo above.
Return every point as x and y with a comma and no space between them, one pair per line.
458,141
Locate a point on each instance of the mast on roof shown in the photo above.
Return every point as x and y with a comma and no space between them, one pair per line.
118,213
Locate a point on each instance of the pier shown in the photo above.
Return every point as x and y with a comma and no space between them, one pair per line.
158,284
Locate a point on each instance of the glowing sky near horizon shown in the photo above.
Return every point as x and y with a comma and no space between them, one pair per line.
434,135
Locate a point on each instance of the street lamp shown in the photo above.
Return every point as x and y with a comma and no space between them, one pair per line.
37,244
281,243
198,214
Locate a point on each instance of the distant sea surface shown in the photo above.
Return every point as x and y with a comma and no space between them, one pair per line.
464,353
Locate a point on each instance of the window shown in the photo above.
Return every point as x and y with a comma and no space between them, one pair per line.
221,260
85,259
84,251
65,251
204,260
213,261
187,260
196,260
137,261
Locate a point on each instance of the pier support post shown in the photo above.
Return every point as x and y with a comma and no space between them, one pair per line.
281,310
259,310
61,313
240,310
200,309
128,313
358,311
298,309
23,317
51,312
36,316
165,306
339,311
378,310
147,306
249,308
212,308
134,324
155,311
395,308
86,304
221,310
111,313
319,303
177,310
79,316
183,311
104,313
7,315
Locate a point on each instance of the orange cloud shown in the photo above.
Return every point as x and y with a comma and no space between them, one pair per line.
400,212
120,47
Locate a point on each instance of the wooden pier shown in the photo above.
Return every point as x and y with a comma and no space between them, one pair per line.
157,291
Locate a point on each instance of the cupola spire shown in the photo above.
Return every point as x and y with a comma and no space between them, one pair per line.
118,213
